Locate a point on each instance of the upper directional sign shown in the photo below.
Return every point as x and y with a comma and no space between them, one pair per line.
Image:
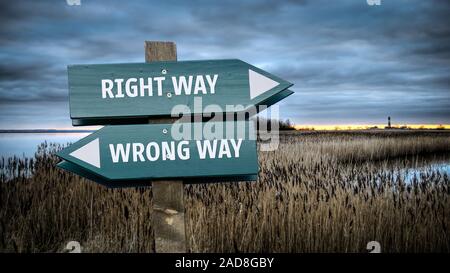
150,151
112,93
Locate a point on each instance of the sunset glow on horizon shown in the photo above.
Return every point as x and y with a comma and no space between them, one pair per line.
334,127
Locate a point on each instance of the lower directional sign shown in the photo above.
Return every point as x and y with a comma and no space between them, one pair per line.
162,151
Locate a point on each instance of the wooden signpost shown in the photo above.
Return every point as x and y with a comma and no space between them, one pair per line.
169,223
149,148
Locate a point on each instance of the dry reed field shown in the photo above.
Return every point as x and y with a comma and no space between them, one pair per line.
319,192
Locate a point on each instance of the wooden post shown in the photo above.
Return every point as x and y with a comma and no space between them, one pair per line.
168,200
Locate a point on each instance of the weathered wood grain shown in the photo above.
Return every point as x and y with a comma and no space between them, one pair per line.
160,51
168,200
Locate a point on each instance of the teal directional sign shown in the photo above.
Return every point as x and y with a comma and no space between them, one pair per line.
124,93
163,151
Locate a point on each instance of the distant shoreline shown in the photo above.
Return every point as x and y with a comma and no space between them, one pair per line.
42,131
49,131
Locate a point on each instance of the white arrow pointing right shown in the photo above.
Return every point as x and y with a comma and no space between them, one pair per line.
259,83
89,153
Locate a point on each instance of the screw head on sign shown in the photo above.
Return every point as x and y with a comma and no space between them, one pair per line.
164,131
169,95
164,71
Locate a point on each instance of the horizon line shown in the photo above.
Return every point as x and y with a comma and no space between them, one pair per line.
342,126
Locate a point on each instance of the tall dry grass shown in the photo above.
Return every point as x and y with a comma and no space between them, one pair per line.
319,192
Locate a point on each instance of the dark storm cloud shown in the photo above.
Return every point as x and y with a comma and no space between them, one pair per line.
350,62
31,82
14,72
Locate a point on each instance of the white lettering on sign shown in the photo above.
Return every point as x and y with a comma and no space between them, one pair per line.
206,148
171,150
148,87
119,152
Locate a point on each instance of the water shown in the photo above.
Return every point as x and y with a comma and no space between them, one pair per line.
25,144
408,174
409,170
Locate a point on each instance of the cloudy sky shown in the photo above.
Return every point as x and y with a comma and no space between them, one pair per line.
350,62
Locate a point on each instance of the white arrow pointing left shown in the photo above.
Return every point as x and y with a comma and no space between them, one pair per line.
89,153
